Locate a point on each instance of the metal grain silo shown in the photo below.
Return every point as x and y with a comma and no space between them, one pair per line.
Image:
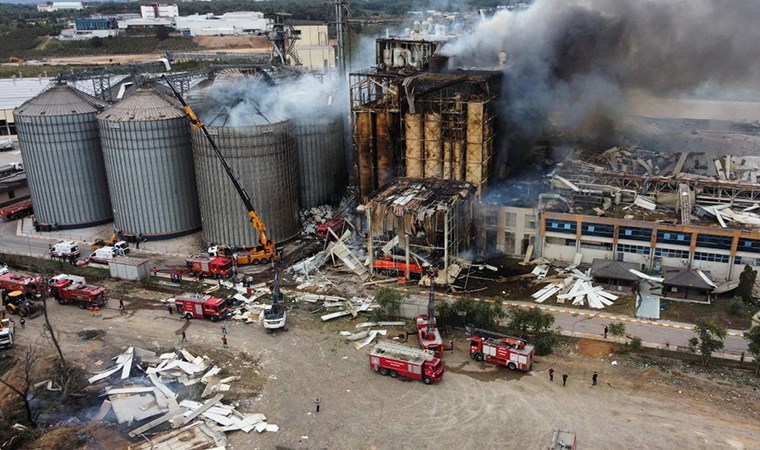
263,157
148,156
321,160
58,136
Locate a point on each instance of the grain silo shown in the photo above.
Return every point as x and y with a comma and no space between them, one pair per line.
148,158
321,158
261,151
58,137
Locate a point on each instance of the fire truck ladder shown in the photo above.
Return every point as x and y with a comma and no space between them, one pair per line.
490,334
399,350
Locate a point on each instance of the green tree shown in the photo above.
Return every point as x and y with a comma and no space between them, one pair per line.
709,339
746,283
753,342
535,325
470,312
616,329
162,33
389,301
96,42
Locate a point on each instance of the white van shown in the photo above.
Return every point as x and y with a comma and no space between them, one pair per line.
64,249
122,247
103,255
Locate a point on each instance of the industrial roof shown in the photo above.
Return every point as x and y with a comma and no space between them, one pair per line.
615,270
143,104
60,100
15,91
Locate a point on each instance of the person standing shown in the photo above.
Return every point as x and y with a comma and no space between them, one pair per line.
171,310
606,330
316,403
23,323
551,373
92,311
564,379
184,336
224,341
224,329
121,304
593,378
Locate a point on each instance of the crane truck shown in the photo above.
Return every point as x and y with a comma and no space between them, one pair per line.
265,250
72,289
512,352
427,326
276,317
389,358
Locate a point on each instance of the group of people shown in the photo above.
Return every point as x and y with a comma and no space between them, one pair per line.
594,377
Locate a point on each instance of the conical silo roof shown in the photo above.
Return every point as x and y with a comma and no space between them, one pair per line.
60,100
143,104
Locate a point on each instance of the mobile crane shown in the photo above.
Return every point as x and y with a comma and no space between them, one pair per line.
265,250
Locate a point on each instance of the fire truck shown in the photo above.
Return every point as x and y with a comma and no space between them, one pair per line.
210,266
501,349
337,224
30,286
427,326
198,306
393,359
71,289
16,210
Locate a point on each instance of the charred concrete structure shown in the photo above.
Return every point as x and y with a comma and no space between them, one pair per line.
408,120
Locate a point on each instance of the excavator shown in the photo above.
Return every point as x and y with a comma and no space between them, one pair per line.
262,253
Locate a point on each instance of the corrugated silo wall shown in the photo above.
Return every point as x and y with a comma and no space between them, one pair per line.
65,170
320,160
265,161
151,176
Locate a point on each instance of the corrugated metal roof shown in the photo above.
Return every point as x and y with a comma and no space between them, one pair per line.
15,91
60,100
143,104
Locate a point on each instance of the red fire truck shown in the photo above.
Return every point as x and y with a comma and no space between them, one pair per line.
501,349
30,286
392,359
210,266
16,210
72,289
427,326
197,306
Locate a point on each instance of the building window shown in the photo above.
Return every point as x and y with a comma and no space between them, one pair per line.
671,237
561,226
670,253
511,220
711,257
711,241
597,229
491,219
638,249
635,234
530,221
749,245
322,38
509,243
604,246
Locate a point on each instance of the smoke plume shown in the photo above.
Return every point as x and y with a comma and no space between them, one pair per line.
576,61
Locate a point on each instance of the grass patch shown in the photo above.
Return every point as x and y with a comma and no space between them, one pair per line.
719,311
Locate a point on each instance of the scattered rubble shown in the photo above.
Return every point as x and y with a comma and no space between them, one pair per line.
572,285
145,393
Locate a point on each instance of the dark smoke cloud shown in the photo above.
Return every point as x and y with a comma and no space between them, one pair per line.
577,60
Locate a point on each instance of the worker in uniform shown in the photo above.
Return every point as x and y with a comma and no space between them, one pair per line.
224,341
551,373
564,379
316,403
171,311
605,331
593,378
23,323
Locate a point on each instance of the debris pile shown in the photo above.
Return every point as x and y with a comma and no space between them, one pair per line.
150,386
365,337
572,285
311,218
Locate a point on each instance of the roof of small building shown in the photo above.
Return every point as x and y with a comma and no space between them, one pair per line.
687,278
617,270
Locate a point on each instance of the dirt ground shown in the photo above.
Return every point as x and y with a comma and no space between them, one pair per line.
637,404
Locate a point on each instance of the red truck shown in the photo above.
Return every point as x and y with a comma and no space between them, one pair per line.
197,306
504,350
210,266
429,337
389,264
393,359
16,210
71,289
337,224
30,286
